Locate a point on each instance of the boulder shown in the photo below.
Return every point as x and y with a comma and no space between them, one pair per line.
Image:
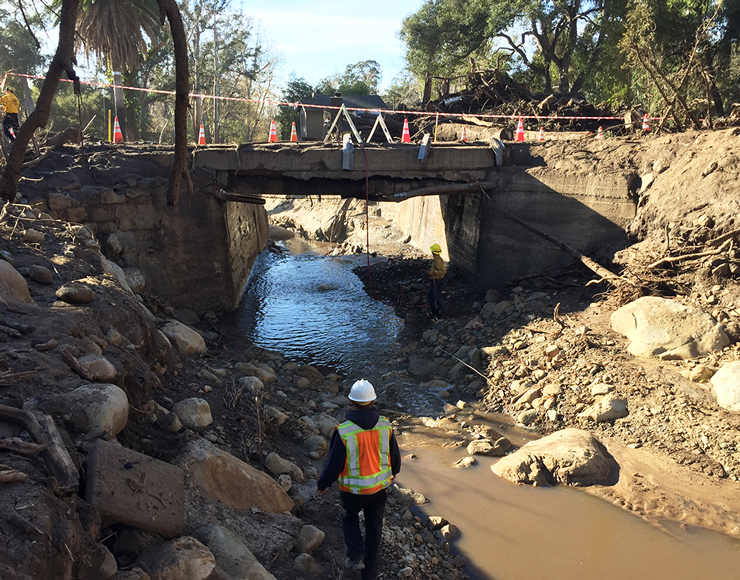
609,408
265,375
309,539
423,369
325,424
13,286
177,559
252,383
75,293
278,466
663,328
116,271
571,457
104,405
99,367
187,340
231,481
726,385
231,554
40,274
306,564
33,236
194,413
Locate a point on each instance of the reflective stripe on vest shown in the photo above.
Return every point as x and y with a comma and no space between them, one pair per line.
368,466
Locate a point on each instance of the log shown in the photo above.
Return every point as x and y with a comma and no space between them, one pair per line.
585,260
59,464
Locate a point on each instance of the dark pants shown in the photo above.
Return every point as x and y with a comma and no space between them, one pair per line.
434,296
10,120
373,506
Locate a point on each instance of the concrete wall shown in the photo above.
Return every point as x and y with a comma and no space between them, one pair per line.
196,255
587,212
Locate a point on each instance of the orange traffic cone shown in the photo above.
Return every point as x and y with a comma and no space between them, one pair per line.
406,136
293,133
202,136
600,134
117,135
520,131
541,136
645,124
273,132
464,136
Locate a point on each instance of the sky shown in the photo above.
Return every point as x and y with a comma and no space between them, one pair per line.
318,38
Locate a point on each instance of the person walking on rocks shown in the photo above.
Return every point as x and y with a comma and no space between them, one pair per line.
364,458
436,273
10,103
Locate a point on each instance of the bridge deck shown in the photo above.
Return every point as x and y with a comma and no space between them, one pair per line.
306,161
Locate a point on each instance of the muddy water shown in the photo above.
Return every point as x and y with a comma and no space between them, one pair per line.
314,309
511,532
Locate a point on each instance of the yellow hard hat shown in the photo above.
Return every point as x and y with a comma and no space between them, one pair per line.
436,249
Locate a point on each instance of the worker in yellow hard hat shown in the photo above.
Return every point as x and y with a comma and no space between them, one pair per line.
10,103
364,458
436,273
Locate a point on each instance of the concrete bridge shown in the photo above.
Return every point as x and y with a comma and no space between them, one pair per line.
452,194
199,253
394,172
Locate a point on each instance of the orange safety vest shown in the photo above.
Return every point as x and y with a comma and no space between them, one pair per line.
368,466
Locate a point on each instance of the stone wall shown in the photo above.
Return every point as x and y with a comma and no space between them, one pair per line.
196,255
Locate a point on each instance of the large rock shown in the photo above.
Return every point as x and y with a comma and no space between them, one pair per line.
423,369
668,329
116,271
135,489
194,413
278,466
231,481
104,405
75,293
232,556
726,385
99,367
13,286
609,408
570,456
309,539
187,340
178,559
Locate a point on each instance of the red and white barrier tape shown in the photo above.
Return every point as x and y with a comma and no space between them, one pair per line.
309,106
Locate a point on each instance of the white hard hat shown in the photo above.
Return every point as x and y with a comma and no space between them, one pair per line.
362,392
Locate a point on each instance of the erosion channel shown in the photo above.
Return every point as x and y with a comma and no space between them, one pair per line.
312,308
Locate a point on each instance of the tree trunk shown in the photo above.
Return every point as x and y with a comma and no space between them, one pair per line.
63,61
168,9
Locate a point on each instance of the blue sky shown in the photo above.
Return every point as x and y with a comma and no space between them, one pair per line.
318,38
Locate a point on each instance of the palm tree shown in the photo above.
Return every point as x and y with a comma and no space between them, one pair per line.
116,32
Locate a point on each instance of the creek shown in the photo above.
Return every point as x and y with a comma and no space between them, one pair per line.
313,309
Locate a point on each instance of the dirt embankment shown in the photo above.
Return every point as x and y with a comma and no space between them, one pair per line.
551,352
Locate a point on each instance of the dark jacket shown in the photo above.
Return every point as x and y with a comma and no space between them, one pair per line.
337,458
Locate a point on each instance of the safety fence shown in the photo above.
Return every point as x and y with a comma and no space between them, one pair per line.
405,112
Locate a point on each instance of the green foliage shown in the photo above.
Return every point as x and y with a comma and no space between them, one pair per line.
18,50
361,78
403,90
295,91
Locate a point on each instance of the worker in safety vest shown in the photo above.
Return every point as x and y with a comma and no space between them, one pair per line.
10,103
364,457
436,273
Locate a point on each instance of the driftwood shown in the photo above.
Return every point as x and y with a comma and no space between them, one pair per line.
42,428
75,365
685,257
7,378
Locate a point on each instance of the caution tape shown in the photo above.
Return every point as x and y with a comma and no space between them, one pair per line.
358,109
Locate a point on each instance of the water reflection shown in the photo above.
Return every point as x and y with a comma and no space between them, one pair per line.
313,309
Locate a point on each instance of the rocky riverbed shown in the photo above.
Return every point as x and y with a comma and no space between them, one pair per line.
141,442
